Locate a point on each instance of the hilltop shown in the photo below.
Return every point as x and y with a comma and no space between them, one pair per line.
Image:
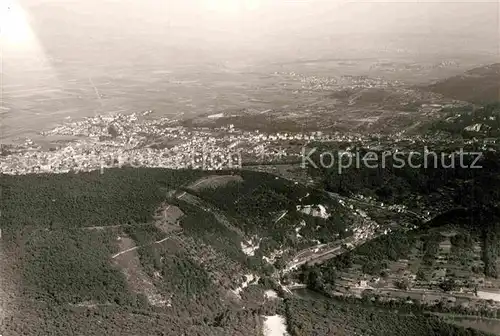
478,85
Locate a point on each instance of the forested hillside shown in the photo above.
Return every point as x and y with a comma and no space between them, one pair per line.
478,85
91,254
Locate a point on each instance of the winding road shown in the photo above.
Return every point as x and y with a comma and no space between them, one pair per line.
161,240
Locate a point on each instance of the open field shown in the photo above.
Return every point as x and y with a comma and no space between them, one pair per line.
44,93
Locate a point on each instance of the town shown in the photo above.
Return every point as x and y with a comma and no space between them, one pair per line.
134,140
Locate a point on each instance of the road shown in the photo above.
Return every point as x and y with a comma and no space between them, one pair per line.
152,243
110,227
293,265
330,252
184,193
158,241
335,195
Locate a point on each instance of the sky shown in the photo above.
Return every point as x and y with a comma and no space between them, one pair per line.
279,28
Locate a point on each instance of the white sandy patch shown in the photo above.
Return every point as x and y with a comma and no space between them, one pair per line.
267,259
489,296
272,258
250,247
363,284
297,229
295,285
274,326
250,278
216,116
270,294
315,211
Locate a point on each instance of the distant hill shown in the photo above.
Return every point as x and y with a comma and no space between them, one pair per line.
477,85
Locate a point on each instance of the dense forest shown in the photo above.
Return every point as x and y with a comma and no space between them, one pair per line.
61,201
260,199
320,316
69,267
460,186
60,232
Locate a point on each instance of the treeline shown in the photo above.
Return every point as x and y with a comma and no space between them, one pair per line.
258,194
145,236
394,184
118,321
334,317
57,201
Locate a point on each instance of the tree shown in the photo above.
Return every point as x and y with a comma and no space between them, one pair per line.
280,263
314,280
403,284
448,285
421,276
